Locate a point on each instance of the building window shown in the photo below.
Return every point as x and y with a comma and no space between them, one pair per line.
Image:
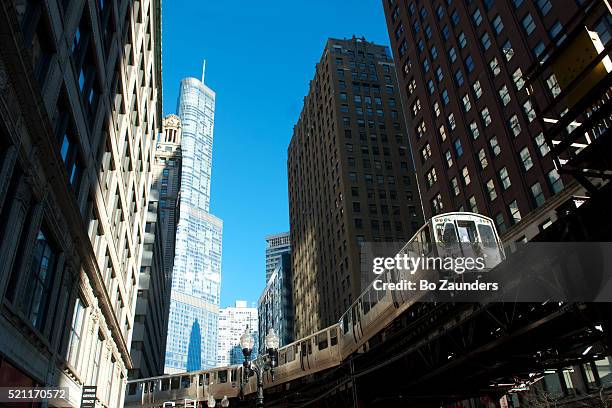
458,147
515,214
477,17
556,184
526,158
544,6
474,130
501,224
346,121
553,85
517,77
477,89
462,40
439,74
40,280
452,53
442,132
449,159
76,328
482,158
494,65
498,25
495,149
541,144
514,125
466,176
529,111
538,50
538,194
528,24
504,95
486,116
491,190
445,97
436,204
416,107
451,121
507,50
467,105
469,64
455,186
431,87
486,41
434,52
455,18
472,204
504,178
459,77
421,129
425,153
436,107
431,177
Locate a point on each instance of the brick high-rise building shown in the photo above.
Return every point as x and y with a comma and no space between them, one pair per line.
80,110
351,178
474,131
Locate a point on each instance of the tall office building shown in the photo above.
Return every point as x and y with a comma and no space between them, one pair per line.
167,181
474,125
275,305
196,276
276,246
351,178
80,110
233,321
152,301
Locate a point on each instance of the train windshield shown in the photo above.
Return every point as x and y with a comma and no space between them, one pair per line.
446,234
487,236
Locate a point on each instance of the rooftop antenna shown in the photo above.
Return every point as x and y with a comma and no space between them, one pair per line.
203,70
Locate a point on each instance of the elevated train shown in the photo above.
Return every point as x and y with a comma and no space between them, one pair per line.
457,234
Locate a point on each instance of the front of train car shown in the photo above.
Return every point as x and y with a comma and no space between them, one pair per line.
462,235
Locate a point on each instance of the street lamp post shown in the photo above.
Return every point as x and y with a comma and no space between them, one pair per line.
263,363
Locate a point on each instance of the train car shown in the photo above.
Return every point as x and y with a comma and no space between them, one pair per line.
449,235
197,386
312,354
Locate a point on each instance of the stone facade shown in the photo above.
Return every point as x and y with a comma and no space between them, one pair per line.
80,109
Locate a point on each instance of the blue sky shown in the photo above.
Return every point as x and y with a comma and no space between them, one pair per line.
260,57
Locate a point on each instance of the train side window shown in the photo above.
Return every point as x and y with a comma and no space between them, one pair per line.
426,240
165,384
132,388
233,375
282,357
487,236
303,347
309,342
333,336
207,378
290,354
222,376
174,383
345,324
322,341
365,301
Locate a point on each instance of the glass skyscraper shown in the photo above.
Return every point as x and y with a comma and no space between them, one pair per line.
196,278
